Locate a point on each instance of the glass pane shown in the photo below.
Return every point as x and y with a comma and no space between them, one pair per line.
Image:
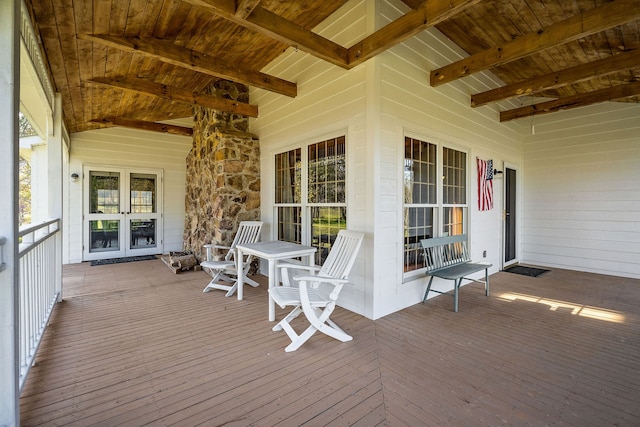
326,222
326,171
453,221
290,224
103,235
288,177
104,192
143,233
419,172
454,170
143,193
418,225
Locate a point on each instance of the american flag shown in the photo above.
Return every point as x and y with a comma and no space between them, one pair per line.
485,184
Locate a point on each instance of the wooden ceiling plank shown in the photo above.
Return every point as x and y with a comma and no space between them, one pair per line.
65,32
268,23
591,21
151,16
580,100
567,76
118,16
192,29
196,61
83,19
456,29
172,15
429,14
135,17
171,93
145,125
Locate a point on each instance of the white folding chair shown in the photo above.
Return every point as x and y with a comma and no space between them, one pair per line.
317,291
225,272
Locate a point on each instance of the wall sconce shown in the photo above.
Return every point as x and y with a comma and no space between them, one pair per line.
74,177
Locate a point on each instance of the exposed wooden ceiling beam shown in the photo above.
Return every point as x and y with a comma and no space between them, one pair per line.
580,100
265,22
590,22
619,62
143,125
246,7
428,14
196,61
171,93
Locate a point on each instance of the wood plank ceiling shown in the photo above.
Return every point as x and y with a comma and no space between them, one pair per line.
137,62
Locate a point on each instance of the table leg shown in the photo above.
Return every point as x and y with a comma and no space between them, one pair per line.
240,275
272,278
310,260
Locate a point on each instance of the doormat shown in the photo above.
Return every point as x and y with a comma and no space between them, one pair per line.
124,259
526,271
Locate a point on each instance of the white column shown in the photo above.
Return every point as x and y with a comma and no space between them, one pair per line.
54,149
9,94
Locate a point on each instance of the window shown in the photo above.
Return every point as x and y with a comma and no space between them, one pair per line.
432,206
454,191
318,190
288,195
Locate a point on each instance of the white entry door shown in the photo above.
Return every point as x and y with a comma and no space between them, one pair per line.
122,212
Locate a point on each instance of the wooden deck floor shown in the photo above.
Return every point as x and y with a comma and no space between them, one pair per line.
133,344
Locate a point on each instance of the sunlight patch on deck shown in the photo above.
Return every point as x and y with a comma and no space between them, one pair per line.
574,309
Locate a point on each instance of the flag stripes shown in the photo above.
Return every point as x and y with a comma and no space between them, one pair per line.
485,184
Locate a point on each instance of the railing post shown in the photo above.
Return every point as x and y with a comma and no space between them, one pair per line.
9,276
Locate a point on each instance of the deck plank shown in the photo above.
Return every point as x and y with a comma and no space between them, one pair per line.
134,344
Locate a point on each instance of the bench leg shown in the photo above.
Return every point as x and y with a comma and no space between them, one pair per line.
456,287
426,294
486,282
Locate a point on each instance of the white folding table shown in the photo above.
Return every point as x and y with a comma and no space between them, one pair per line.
273,251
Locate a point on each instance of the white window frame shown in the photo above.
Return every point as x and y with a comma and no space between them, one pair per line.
438,208
305,205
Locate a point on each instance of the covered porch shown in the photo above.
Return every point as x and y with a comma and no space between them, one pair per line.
134,344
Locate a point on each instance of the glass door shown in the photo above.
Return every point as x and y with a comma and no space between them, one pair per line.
122,212
142,215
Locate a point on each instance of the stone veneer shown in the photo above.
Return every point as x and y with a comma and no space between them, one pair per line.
223,174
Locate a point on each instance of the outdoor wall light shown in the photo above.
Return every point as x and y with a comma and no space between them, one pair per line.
74,177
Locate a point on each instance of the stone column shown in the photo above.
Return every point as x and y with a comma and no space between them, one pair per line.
223,174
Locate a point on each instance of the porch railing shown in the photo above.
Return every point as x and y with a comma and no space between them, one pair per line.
40,263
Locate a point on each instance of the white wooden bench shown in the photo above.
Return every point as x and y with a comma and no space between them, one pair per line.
448,258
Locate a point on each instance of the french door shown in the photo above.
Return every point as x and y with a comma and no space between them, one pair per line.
122,212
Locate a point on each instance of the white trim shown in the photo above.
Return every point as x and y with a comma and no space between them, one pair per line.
30,42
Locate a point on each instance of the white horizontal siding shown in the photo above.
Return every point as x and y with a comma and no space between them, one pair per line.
120,147
582,209
409,105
